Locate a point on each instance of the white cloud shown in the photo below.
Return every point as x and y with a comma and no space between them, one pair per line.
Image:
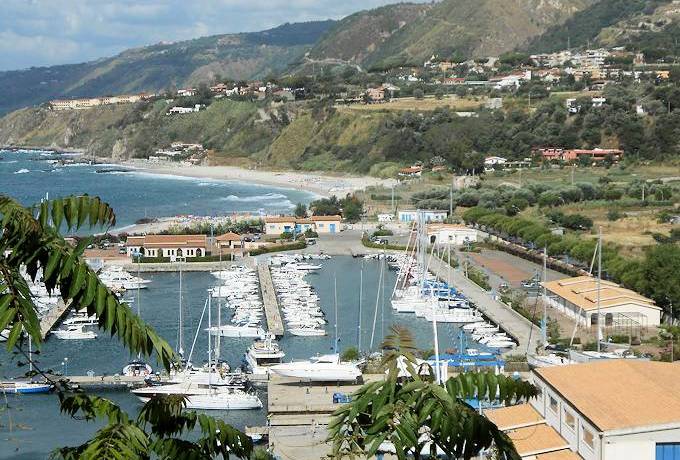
48,32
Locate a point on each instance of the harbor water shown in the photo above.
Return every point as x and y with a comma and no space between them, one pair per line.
31,425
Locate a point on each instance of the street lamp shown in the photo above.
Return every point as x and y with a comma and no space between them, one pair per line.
64,365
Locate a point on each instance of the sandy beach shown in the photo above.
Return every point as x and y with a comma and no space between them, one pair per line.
317,183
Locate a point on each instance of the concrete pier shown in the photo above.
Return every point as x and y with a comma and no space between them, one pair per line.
52,318
271,304
523,331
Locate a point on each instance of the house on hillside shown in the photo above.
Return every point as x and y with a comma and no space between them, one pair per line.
186,92
413,171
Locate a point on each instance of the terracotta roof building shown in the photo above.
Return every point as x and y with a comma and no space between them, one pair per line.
613,409
171,246
229,240
578,298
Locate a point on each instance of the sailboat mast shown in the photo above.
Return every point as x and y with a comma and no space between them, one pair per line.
544,323
361,298
210,340
598,287
181,324
218,340
335,296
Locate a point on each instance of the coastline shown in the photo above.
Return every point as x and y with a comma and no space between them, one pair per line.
320,184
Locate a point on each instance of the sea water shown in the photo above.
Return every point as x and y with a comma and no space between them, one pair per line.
133,195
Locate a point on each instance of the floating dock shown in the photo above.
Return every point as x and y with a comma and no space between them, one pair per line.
271,304
52,318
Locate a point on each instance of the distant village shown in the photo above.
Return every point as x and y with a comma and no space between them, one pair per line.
587,72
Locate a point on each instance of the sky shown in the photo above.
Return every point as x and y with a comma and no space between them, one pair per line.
48,32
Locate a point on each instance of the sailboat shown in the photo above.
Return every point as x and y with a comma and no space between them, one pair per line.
137,366
207,388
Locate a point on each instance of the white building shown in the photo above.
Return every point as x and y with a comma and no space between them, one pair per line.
171,246
578,298
614,409
456,235
490,162
385,218
429,215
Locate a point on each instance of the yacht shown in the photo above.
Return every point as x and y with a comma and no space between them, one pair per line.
326,368
230,330
74,333
307,331
137,367
263,354
231,400
25,387
4,335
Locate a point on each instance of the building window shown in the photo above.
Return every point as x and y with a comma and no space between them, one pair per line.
569,420
588,438
553,404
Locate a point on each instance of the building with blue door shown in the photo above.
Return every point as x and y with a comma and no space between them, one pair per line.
428,215
275,225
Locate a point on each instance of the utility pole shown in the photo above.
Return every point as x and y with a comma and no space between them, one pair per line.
451,201
599,287
544,323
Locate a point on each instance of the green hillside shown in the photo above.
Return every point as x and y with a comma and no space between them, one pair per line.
585,26
357,36
157,67
472,28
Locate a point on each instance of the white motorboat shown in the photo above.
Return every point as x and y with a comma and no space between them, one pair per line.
74,333
4,335
326,368
230,330
233,400
303,266
263,354
307,332
81,319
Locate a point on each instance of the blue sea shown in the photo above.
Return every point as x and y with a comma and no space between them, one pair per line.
31,426
134,194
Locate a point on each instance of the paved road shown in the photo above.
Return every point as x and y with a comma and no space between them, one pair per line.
512,322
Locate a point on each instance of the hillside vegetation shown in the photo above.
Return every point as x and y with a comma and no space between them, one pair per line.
157,67
606,22
472,28
356,37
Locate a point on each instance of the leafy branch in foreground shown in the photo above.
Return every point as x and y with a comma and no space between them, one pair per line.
156,431
35,244
30,243
415,416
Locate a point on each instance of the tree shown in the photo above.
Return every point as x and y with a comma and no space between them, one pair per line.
418,93
34,245
300,210
418,416
325,206
352,208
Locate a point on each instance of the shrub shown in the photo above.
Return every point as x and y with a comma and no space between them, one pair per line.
279,247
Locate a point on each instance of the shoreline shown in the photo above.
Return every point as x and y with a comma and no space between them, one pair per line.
320,184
